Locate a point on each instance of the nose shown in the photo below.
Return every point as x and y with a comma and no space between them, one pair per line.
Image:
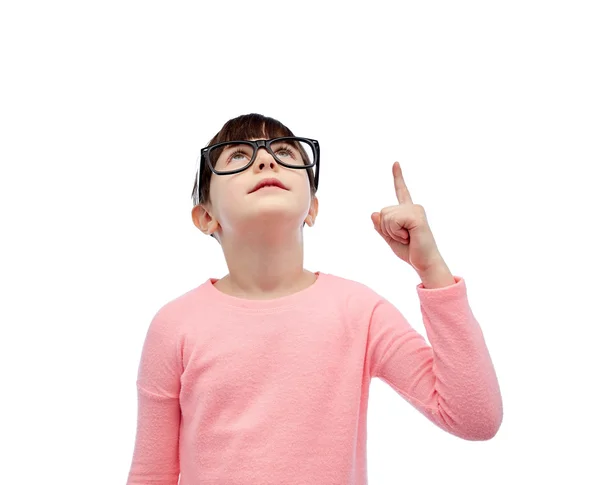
263,157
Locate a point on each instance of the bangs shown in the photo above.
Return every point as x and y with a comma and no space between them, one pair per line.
251,126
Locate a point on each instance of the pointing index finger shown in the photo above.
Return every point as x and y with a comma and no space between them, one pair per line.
402,193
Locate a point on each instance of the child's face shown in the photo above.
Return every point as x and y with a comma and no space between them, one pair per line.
235,209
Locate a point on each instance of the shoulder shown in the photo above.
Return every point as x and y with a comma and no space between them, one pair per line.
352,290
178,310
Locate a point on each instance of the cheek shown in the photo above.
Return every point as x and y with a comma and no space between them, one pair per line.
232,196
302,182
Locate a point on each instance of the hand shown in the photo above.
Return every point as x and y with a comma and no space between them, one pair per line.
405,228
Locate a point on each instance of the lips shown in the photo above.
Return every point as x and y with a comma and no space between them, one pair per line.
268,187
270,182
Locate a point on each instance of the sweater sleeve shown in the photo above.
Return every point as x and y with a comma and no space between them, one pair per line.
156,450
452,382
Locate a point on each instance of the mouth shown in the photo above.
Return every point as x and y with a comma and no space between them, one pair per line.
268,184
268,187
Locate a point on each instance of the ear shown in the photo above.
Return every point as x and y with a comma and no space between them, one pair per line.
203,220
312,212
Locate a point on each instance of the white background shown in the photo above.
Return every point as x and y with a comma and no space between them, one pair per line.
492,109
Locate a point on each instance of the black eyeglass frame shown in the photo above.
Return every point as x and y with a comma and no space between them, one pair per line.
256,144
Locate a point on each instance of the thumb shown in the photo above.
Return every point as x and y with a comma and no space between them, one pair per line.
376,218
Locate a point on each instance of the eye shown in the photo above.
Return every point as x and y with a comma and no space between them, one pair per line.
234,154
237,156
286,150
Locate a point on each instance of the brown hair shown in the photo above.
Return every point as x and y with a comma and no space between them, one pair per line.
244,127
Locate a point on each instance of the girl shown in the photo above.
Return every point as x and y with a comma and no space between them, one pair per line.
262,376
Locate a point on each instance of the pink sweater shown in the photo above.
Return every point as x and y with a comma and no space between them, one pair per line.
235,391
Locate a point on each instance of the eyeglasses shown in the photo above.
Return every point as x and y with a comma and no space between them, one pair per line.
235,156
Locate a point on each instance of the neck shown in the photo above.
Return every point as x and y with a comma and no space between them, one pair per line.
265,266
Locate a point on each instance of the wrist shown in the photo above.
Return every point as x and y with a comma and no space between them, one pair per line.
437,276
